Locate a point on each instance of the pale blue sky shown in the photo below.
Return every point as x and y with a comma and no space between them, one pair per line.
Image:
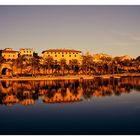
114,30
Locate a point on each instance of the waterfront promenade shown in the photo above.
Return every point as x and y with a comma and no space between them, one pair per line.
71,77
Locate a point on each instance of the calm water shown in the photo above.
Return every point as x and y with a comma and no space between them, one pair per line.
99,106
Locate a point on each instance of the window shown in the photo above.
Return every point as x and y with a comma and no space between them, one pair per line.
62,52
75,55
66,52
9,55
27,51
47,52
55,52
51,52
69,55
48,55
24,51
62,55
69,52
30,51
55,55
58,52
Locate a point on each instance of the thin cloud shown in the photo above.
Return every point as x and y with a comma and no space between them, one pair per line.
129,36
119,43
120,33
122,43
135,38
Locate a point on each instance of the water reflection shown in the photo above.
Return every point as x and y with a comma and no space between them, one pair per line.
69,91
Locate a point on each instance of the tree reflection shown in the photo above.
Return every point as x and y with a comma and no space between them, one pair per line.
69,91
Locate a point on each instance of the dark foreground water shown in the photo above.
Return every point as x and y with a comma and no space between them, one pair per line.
99,106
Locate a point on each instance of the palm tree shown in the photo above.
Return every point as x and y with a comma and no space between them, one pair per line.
87,63
74,65
56,68
63,65
35,65
48,63
106,60
20,62
99,67
12,65
105,68
126,64
117,64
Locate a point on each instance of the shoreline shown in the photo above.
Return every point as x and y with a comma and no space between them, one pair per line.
75,77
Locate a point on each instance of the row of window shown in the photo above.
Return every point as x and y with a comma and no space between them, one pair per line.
27,51
16,56
63,55
28,55
9,55
62,52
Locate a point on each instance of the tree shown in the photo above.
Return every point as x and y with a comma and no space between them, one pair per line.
137,64
2,60
74,65
105,64
20,62
87,63
138,58
35,65
63,65
48,63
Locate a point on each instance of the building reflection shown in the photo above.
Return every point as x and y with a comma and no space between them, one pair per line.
69,91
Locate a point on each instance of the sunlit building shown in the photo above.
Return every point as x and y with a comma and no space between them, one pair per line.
58,54
27,52
9,54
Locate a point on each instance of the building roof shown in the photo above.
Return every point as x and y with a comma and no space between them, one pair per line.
61,50
5,51
26,49
8,49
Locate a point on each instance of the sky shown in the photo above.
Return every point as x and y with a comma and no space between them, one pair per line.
113,30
